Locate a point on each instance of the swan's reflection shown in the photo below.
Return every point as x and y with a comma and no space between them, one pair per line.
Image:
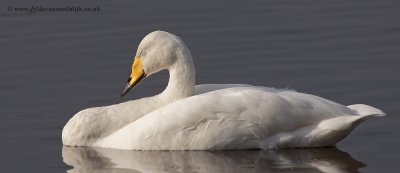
291,160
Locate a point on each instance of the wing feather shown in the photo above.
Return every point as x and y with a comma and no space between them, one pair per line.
237,118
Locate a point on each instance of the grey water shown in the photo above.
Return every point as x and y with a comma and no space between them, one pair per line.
53,64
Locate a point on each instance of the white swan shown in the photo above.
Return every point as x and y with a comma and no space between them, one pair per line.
209,117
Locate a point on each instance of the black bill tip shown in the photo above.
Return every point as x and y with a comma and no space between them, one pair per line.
127,88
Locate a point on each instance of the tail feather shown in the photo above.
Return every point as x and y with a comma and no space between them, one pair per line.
326,133
349,122
366,110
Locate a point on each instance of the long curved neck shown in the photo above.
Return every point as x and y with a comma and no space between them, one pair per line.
181,77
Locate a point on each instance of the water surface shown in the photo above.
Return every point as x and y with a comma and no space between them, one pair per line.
55,64
238,161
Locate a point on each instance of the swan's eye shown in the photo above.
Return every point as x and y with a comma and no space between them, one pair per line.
142,53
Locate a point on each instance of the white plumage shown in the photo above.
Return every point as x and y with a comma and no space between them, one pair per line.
212,116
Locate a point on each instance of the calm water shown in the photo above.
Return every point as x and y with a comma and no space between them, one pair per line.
55,64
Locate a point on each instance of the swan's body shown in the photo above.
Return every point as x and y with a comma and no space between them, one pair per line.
185,117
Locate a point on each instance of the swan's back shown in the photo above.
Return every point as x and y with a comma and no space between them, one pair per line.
233,118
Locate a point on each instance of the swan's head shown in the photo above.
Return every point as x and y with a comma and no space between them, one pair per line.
157,51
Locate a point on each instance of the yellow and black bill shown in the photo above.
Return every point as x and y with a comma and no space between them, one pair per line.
136,76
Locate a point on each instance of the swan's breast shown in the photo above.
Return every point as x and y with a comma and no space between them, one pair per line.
92,124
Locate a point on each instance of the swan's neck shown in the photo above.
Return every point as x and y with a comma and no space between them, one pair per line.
181,77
